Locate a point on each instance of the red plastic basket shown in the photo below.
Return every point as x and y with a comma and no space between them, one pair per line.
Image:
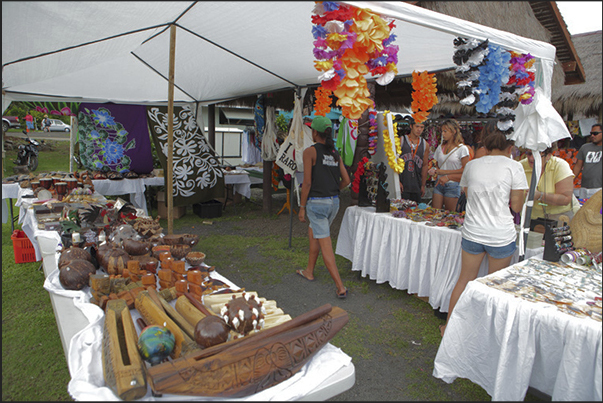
23,248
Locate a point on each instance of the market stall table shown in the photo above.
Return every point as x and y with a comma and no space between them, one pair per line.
329,372
133,187
10,191
504,337
409,255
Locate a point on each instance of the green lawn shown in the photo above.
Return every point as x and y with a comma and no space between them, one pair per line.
34,367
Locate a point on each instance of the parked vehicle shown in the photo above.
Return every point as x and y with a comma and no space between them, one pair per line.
10,122
27,154
59,126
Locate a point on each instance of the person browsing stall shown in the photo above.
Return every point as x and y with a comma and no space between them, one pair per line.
490,182
452,156
415,153
324,176
46,123
554,193
29,121
588,160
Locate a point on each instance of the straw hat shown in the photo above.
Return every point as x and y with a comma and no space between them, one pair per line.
586,228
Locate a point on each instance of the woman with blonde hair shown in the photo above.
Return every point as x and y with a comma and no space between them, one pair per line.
451,157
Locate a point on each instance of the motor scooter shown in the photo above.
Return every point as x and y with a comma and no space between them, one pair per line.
28,154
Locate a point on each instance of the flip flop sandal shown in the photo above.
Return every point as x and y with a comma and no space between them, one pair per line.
300,272
342,296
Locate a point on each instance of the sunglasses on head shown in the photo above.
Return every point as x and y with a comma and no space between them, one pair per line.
594,133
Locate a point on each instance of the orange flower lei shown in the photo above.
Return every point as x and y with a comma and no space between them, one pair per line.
397,164
423,96
322,105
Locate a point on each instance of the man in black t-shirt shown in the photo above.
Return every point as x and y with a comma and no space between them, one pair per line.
415,153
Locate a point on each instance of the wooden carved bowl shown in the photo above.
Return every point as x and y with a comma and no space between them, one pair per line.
173,239
190,239
195,258
180,251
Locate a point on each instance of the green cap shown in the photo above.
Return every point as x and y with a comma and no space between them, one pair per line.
321,123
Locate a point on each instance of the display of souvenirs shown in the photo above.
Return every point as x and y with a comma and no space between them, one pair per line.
572,288
431,216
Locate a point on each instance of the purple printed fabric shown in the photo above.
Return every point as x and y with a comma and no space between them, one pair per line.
114,136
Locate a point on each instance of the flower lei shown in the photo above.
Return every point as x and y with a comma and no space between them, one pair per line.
373,135
322,105
360,43
492,75
397,164
522,75
423,95
358,175
468,56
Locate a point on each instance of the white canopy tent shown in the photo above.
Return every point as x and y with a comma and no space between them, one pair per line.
119,52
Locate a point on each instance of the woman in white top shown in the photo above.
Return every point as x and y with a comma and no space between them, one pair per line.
489,182
452,156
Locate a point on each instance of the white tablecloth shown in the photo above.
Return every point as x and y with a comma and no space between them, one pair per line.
409,255
9,191
506,343
240,180
134,187
328,373
583,193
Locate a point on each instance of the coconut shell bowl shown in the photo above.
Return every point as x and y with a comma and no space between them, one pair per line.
190,239
180,251
195,258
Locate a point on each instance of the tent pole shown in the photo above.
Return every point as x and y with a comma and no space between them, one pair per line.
170,113
72,141
528,213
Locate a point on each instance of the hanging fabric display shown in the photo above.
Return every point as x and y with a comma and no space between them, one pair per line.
423,96
249,152
114,136
347,137
468,56
360,43
197,176
269,144
492,75
286,157
259,119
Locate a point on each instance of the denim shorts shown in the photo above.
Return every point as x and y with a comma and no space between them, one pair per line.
496,252
451,189
321,212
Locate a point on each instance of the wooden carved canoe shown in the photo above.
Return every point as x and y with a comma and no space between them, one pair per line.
123,368
251,364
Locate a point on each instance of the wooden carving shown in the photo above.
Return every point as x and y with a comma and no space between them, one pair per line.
123,368
251,364
155,315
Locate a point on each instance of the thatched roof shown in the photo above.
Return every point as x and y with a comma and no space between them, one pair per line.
572,101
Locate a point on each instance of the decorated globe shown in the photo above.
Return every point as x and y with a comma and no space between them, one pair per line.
155,343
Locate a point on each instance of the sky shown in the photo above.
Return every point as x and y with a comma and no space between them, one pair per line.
581,16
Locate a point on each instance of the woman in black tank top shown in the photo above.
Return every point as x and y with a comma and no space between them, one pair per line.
324,176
